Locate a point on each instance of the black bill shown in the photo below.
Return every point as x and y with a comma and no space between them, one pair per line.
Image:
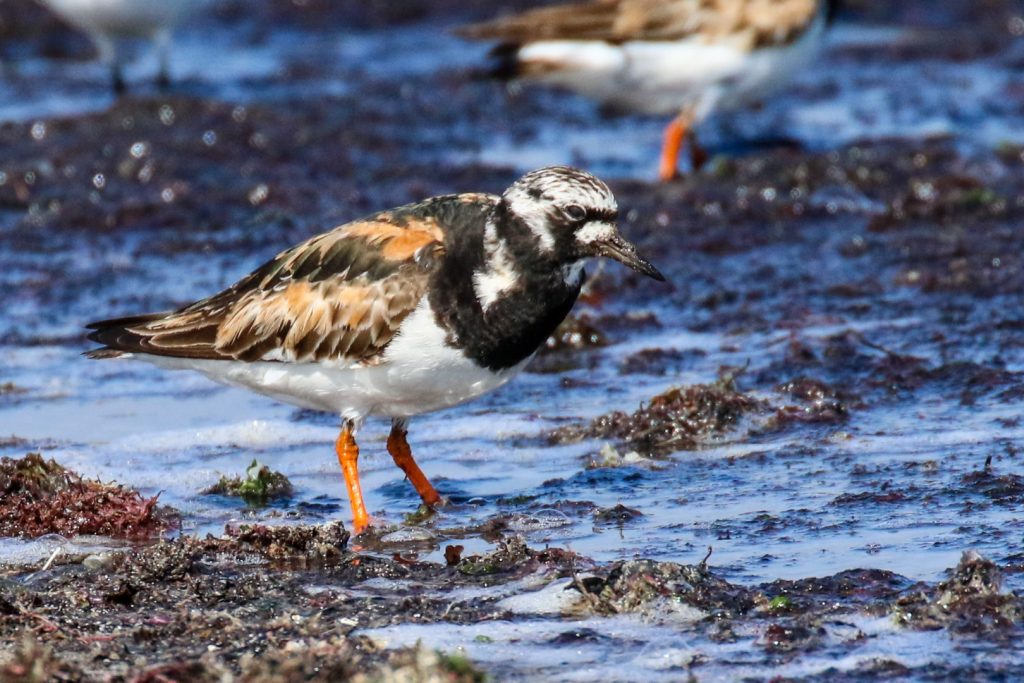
623,251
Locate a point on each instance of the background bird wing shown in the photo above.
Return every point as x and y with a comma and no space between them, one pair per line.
617,21
338,296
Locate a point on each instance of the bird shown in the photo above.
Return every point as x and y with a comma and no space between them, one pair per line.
109,22
407,311
686,58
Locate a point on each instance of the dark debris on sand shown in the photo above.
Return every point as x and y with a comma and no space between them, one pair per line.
815,402
242,605
645,586
284,603
679,419
316,661
568,346
574,333
39,497
685,418
972,600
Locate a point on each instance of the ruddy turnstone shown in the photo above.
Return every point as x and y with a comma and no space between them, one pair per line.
683,57
109,22
405,312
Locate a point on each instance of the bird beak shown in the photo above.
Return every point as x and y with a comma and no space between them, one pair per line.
622,250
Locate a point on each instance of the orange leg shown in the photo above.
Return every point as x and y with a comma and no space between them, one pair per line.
348,456
399,449
678,132
675,134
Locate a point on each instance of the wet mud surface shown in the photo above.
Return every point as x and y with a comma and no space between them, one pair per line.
297,603
830,386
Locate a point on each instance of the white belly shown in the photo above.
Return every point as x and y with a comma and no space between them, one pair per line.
663,77
123,18
419,374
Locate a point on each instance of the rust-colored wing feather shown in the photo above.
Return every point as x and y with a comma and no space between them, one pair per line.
339,296
616,21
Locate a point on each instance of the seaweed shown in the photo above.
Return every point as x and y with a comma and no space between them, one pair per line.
39,497
970,601
680,418
260,485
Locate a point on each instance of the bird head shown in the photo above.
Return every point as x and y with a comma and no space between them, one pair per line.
571,215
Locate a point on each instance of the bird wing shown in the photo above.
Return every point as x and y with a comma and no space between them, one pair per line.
339,296
617,21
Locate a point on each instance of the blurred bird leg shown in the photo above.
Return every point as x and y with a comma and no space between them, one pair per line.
109,56
698,155
162,39
676,133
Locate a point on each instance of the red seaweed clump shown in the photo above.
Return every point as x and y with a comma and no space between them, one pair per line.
39,497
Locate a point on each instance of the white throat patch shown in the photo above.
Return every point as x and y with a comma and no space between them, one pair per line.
498,275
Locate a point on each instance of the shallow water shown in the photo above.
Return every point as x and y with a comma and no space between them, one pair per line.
782,504
641,651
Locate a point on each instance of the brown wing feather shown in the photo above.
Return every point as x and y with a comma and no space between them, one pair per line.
338,296
615,21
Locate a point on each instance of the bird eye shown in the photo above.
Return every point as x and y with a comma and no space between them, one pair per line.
575,212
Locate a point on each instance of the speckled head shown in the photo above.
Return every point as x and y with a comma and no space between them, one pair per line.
572,216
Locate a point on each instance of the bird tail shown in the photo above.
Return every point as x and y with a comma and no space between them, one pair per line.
116,337
504,63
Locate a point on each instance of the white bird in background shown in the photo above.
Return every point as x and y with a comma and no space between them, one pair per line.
109,22
688,58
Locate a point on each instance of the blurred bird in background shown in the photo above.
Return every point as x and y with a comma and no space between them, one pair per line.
689,58
110,22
